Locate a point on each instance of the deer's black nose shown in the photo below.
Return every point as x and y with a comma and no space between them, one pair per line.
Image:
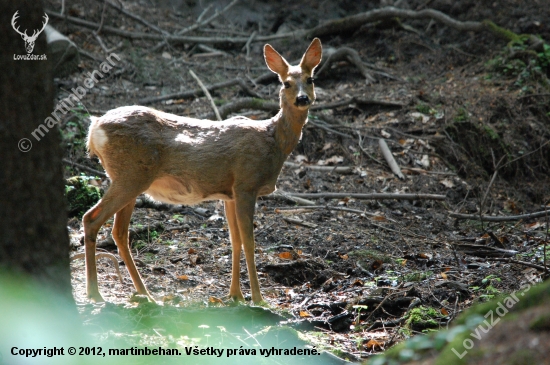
302,100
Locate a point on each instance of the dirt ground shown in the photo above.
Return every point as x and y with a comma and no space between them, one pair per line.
462,117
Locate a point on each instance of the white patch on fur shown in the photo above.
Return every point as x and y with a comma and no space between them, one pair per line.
169,190
99,138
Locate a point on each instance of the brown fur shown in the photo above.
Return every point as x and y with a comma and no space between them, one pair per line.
185,161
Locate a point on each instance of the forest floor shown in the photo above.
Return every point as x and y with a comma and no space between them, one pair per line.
464,116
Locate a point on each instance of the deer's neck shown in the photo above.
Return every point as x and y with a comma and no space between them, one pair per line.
288,129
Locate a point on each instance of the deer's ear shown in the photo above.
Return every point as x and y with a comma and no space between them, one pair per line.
312,57
275,62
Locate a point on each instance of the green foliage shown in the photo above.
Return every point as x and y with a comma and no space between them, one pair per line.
519,60
417,276
462,115
73,132
81,195
423,317
423,108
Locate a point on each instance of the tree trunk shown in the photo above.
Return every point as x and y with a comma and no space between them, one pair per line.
33,218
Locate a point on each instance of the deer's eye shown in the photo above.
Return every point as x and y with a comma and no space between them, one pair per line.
287,85
310,80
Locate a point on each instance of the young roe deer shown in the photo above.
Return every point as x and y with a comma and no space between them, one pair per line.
182,160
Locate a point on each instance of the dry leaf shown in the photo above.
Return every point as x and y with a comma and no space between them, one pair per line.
285,255
304,314
448,183
191,251
444,312
444,276
379,218
344,256
194,260
358,282
215,300
531,226
183,277
168,297
404,262
335,160
373,344
376,264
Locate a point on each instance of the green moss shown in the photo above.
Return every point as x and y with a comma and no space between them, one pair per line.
541,323
423,317
417,276
522,357
81,195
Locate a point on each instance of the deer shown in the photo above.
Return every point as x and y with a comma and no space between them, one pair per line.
182,160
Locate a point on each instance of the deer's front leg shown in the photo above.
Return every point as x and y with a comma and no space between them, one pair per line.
236,248
244,207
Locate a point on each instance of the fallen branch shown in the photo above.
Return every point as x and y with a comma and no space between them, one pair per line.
246,103
483,251
85,168
328,207
346,24
136,17
147,36
197,25
190,93
373,196
281,195
511,261
208,96
353,22
339,169
300,222
389,159
350,55
488,218
99,255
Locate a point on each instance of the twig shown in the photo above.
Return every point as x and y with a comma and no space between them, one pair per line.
300,222
328,129
136,17
373,196
281,195
538,267
86,168
205,91
102,17
339,169
100,41
190,93
389,158
247,45
148,36
245,103
197,25
497,218
204,12
328,207
350,55
99,255
365,151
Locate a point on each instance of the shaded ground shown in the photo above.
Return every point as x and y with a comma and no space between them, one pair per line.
350,279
